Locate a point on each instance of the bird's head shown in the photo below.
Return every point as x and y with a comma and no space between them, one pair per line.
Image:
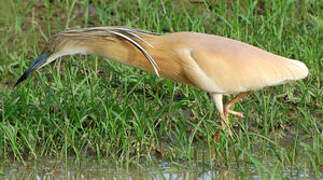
85,41
39,62
57,46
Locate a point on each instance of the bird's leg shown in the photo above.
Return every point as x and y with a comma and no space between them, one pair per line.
225,123
227,106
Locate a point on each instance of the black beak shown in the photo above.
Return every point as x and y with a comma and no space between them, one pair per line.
40,60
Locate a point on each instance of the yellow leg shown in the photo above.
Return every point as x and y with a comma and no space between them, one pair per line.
224,119
224,112
227,106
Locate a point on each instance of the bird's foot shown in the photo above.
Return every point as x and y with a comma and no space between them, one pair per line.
216,137
234,113
226,127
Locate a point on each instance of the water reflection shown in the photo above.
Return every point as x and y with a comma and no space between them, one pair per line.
48,170
105,175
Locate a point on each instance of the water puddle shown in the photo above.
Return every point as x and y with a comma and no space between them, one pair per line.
92,169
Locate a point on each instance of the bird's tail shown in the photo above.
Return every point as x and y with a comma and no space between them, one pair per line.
300,71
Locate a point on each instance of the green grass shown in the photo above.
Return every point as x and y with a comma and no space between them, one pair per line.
89,106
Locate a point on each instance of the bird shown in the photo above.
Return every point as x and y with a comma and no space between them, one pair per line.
217,65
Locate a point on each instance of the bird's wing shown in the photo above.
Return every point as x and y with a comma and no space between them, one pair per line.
224,65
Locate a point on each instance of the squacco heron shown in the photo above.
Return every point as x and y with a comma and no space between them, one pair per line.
212,63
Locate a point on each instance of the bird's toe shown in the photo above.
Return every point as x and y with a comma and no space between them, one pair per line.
234,113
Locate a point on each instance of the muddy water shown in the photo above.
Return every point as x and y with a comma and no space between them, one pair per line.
91,169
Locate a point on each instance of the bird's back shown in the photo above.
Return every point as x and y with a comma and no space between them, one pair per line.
224,65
